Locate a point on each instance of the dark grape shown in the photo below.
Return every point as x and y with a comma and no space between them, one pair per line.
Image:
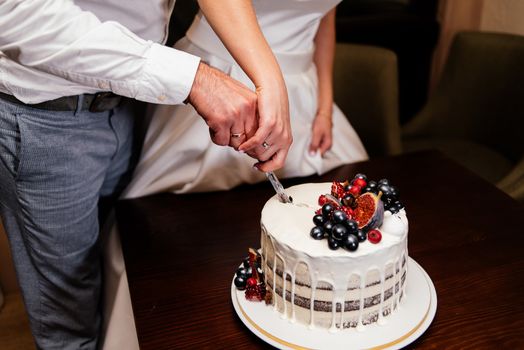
361,236
240,282
387,201
328,226
352,226
350,243
393,209
327,209
399,205
339,232
333,244
339,216
383,182
394,192
243,272
319,220
348,200
246,263
372,184
317,232
361,176
370,189
385,189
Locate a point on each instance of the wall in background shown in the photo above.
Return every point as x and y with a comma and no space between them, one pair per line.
505,16
485,15
7,272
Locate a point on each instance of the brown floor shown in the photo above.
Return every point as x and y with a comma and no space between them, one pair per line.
14,326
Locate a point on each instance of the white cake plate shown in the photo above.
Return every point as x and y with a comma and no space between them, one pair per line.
406,324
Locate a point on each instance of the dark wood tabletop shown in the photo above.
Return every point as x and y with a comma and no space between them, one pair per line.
181,252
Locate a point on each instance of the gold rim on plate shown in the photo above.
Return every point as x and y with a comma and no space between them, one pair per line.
379,347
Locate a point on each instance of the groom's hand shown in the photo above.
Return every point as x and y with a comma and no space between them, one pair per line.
227,106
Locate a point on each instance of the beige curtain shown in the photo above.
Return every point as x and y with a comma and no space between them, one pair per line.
454,16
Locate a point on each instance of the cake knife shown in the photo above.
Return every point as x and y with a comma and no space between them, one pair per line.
279,189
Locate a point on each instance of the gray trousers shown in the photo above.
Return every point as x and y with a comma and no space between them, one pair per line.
54,167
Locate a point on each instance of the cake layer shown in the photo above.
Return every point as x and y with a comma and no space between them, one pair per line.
370,298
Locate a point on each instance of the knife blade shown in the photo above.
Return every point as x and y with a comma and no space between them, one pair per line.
279,189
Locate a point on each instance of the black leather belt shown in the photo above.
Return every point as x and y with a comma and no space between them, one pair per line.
99,102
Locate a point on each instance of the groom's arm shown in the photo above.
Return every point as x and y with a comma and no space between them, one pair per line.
59,38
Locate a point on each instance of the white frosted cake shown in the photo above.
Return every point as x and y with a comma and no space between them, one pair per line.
326,287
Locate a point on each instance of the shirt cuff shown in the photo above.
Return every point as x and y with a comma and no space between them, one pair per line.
168,75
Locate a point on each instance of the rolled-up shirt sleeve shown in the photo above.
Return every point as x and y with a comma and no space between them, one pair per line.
59,38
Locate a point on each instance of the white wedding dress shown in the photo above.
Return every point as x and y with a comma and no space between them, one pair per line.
179,156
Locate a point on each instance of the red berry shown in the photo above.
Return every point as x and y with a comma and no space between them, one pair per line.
360,182
318,211
337,189
251,282
322,200
354,190
374,236
349,212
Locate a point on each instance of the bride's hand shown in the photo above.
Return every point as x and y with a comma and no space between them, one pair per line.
321,133
272,140
235,23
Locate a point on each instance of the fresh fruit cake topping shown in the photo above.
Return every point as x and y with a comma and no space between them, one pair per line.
353,212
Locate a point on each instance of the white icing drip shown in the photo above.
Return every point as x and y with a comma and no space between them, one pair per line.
284,281
397,280
274,297
312,304
382,283
404,285
361,303
293,320
333,327
342,315
288,228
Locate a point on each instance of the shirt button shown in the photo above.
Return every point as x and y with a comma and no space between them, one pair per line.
161,97
103,85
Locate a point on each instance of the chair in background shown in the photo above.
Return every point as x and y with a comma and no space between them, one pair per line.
366,90
476,114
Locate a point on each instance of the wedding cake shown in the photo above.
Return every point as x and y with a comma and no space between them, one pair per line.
335,258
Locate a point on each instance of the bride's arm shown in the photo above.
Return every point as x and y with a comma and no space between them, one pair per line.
323,57
236,24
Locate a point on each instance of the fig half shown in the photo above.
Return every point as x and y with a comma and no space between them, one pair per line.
369,211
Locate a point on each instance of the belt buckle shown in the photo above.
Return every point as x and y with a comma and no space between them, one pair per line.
99,103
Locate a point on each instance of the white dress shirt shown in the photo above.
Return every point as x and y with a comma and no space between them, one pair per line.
55,48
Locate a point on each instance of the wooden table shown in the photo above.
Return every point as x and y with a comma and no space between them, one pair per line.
181,252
